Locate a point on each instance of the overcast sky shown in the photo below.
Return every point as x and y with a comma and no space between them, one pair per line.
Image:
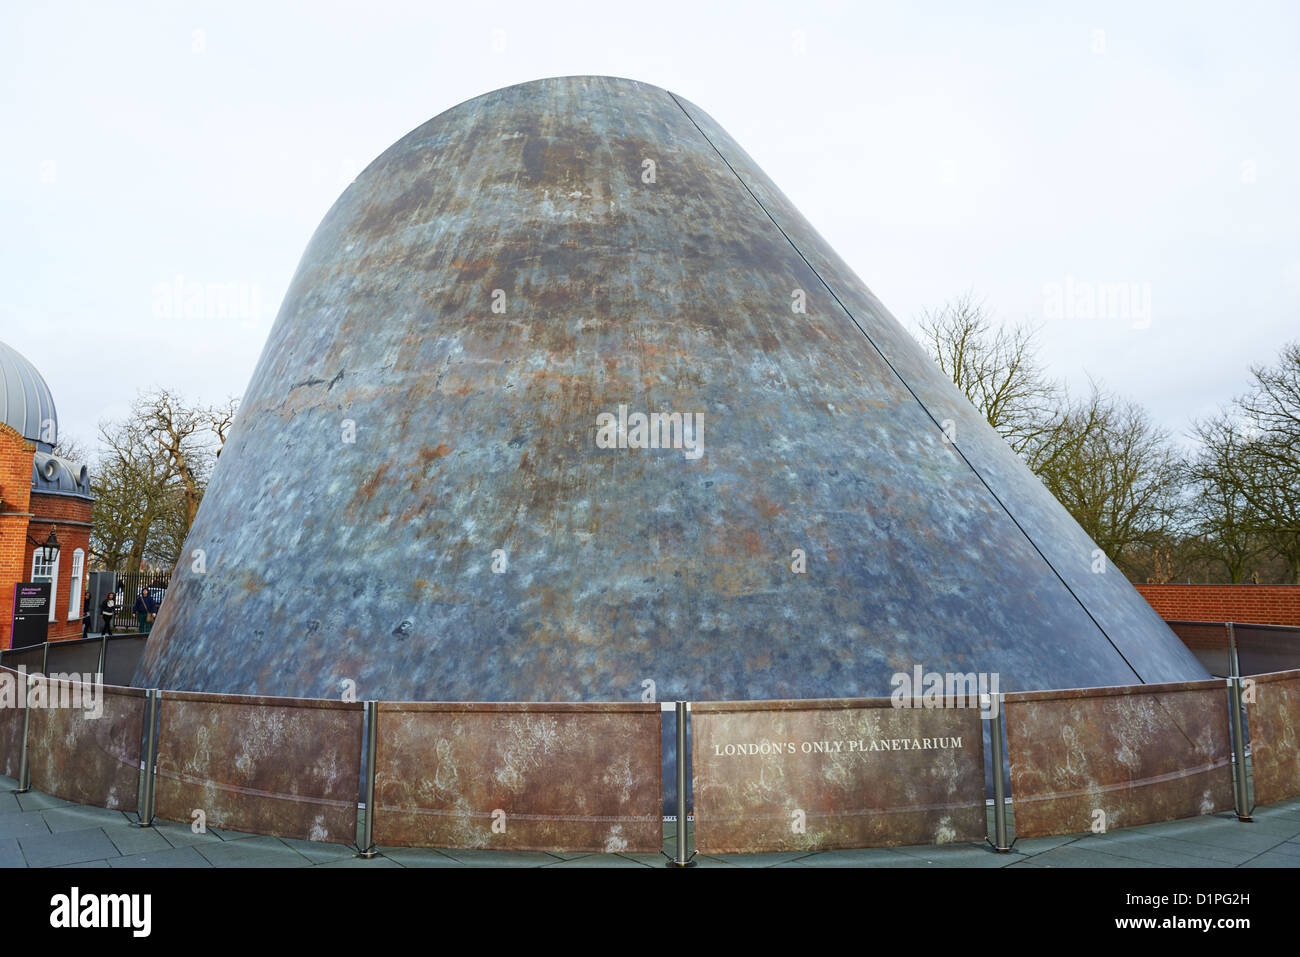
1025,152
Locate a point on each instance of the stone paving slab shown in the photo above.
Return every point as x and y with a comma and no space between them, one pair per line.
22,825
67,847
182,835
11,855
75,818
135,840
36,801
1273,859
361,862
1071,855
1168,854
252,852
8,802
597,860
755,860
171,857
419,857
316,851
500,858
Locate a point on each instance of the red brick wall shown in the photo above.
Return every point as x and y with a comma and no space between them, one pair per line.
53,512
1258,604
15,498
25,514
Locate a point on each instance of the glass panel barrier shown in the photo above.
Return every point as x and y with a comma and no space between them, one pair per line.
1267,649
77,657
121,657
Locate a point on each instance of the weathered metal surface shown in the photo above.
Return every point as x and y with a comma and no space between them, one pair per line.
816,775
87,756
282,766
535,777
11,721
398,431
1137,755
1130,626
1273,716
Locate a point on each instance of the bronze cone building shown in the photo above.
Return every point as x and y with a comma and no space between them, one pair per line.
418,494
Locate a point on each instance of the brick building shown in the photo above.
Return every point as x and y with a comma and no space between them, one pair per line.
40,493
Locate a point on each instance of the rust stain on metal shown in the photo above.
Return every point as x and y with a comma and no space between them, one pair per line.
1274,720
818,775
536,777
83,757
283,766
1137,754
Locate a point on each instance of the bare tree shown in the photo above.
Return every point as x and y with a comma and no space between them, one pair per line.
181,431
130,484
1116,472
1270,461
994,366
220,419
151,479
1227,527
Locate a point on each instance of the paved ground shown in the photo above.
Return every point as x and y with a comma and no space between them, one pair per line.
37,830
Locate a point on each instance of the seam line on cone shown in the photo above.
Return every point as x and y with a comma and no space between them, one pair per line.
906,385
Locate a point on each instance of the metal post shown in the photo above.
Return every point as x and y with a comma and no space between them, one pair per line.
999,786
45,658
149,760
683,857
366,846
1238,731
24,766
103,655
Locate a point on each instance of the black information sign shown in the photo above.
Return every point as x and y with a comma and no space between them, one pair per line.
31,613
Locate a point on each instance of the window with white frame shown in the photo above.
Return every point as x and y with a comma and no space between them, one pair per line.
74,588
43,571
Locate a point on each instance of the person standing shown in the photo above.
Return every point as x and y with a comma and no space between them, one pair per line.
106,608
144,609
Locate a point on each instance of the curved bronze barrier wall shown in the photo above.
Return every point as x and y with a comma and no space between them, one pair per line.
836,773
586,777
1137,754
11,724
520,776
81,756
1273,712
289,767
